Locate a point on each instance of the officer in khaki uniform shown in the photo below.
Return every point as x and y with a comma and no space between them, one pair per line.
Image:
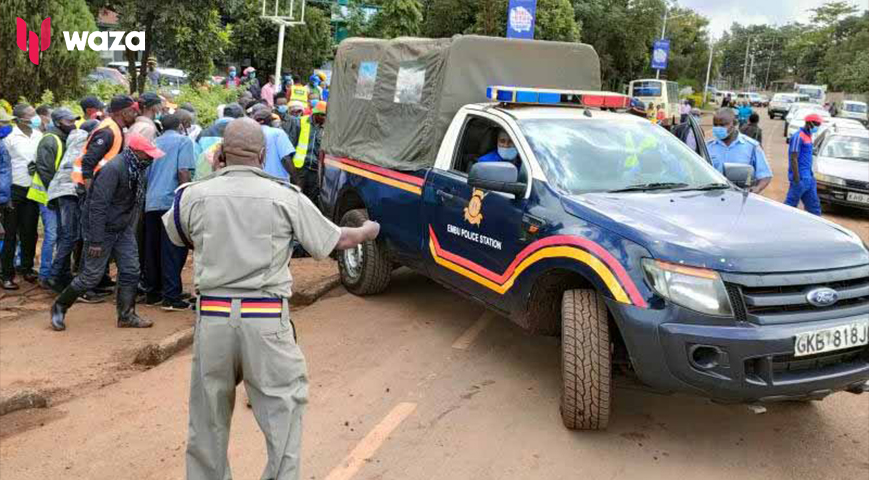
241,224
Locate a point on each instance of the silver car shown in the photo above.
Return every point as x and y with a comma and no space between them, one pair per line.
842,167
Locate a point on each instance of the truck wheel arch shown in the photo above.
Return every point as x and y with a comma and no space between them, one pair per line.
349,199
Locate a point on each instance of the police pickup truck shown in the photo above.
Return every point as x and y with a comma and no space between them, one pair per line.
607,230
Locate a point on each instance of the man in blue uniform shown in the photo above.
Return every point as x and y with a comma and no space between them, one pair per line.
730,146
506,151
802,179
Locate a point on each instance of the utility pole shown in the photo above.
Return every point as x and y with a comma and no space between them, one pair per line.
663,31
745,64
750,74
708,72
769,64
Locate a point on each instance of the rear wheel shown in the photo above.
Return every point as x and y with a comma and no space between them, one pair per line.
364,270
585,361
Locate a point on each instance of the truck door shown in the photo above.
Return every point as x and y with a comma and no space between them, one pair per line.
473,235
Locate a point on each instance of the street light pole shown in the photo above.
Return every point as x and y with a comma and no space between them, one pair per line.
663,31
745,64
280,53
708,72
751,74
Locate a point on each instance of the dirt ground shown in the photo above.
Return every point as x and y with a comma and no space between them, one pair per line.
414,384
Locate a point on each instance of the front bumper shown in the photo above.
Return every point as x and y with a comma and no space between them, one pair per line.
754,362
838,195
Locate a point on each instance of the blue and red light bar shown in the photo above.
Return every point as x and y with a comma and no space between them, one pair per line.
544,96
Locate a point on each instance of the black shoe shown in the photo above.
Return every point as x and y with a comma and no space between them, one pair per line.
153,300
186,296
93,297
30,277
55,286
10,285
61,305
127,317
106,283
175,305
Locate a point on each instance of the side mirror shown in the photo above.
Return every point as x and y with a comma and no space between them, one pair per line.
496,177
741,175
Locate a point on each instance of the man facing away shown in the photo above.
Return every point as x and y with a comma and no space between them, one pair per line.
243,326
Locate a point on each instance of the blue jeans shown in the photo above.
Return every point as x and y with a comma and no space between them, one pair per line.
807,192
49,238
67,235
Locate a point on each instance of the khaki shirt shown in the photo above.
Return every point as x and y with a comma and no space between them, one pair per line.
241,224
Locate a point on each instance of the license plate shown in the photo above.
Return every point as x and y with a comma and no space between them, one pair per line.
858,197
831,339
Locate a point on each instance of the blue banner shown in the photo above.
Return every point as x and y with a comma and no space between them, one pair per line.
520,19
660,54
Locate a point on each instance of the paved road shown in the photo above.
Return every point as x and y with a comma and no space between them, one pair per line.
413,385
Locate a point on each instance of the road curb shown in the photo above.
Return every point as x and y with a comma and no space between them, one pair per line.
157,353
22,400
311,294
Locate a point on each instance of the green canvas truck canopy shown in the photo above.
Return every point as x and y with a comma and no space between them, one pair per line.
391,101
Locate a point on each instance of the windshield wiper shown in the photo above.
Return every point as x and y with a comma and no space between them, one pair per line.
642,187
708,186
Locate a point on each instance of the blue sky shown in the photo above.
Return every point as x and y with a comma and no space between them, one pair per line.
722,13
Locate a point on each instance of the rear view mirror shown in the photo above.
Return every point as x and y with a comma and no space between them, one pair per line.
741,175
496,177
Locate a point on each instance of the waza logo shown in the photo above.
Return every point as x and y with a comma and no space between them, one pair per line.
29,42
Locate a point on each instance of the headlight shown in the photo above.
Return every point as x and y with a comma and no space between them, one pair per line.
829,179
698,289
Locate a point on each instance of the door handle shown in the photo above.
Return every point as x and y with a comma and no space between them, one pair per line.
445,196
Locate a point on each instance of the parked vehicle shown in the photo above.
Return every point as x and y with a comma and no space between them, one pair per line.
841,167
104,74
795,107
172,79
852,109
817,93
122,67
798,119
602,227
781,103
658,92
751,97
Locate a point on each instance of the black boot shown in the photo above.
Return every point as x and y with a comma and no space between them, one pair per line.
61,304
127,317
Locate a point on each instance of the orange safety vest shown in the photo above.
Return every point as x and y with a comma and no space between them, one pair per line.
117,144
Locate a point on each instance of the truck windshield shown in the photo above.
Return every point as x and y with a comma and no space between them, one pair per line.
584,156
646,89
814,93
855,107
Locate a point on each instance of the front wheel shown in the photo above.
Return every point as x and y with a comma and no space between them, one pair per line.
365,269
585,361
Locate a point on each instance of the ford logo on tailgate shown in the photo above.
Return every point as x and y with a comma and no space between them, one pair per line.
822,297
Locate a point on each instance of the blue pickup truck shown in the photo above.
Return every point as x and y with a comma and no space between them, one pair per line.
606,230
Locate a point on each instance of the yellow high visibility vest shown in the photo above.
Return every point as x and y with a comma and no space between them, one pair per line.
302,147
39,192
299,93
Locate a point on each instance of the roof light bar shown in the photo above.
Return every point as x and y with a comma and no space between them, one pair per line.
543,96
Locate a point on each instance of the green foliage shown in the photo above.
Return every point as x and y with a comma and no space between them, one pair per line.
60,69
206,99
397,18
491,18
445,18
555,21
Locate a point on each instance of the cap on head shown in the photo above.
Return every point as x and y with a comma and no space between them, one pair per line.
120,102
262,115
320,108
233,110
91,102
814,118
60,114
139,143
149,99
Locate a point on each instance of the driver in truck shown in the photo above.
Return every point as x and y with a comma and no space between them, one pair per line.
506,151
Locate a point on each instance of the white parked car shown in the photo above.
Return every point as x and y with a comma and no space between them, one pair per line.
854,110
781,103
798,111
840,124
842,167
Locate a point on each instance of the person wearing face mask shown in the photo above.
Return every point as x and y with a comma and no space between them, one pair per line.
730,146
151,107
48,155
506,151
803,187
252,83
192,129
5,170
306,133
244,330
282,110
113,202
22,219
231,79
44,112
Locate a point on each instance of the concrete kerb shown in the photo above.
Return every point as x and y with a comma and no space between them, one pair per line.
22,400
156,353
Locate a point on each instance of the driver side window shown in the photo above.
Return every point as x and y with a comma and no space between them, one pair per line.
480,141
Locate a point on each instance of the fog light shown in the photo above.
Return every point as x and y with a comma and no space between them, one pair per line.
704,357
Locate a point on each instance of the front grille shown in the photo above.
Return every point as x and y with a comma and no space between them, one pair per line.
788,368
857,184
790,363
782,298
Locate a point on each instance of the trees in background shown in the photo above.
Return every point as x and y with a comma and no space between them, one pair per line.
59,69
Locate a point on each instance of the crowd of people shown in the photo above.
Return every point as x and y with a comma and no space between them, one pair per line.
54,169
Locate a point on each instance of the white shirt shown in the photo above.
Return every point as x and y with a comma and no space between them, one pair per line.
686,109
22,149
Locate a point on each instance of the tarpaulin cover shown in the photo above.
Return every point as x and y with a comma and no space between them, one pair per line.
391,101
